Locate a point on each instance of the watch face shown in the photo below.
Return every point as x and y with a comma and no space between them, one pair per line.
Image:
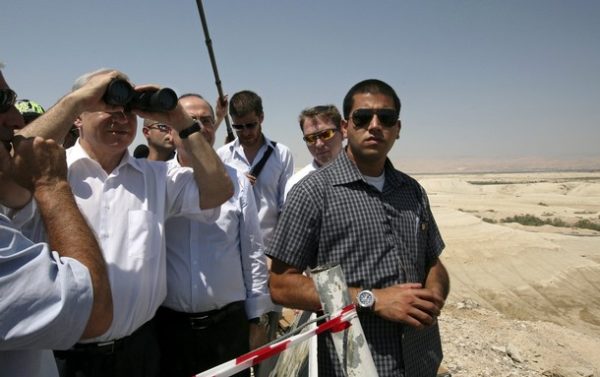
366,299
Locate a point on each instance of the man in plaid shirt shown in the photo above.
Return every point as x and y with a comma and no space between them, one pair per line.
376,222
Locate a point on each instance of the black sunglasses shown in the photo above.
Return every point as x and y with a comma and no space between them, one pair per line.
363,117
248,126
8,97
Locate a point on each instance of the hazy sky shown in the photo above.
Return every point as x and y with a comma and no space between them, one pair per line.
485,79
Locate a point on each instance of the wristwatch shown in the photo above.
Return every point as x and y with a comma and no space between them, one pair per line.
365,300
190,130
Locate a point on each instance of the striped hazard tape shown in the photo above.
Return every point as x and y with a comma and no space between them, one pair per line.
338,321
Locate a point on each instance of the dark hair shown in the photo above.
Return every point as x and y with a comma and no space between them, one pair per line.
212,112
325,112
245,102
372,86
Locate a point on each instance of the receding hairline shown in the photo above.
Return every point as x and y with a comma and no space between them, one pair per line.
198,96
83,79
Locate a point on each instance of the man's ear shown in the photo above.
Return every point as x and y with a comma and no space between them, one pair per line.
399,129
344,128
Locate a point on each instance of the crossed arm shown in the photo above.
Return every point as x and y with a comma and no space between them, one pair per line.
413,304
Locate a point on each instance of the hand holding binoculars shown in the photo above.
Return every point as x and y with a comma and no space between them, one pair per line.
120,93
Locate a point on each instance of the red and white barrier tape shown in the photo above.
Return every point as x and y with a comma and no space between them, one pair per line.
339,321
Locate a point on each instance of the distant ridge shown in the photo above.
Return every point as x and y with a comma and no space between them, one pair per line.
497,165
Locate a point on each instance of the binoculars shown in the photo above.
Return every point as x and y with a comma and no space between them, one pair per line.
120,93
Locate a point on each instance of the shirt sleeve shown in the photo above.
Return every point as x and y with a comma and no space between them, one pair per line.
435,243
295,241
45,300
288,170
254,262
184,197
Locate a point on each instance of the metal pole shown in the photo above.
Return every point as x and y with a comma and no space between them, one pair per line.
213,63
350,344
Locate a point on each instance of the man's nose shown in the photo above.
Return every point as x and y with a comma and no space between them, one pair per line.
375,122
320,142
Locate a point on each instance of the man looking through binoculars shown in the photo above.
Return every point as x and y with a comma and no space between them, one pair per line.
127,201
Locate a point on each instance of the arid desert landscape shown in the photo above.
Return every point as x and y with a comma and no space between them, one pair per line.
523,253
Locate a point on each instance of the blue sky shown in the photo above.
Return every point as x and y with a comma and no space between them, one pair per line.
477,79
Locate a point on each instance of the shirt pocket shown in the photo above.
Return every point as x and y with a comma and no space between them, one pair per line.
144,235
411,232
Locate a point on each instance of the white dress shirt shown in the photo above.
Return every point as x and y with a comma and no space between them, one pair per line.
269,188
127,210
299,175
45,303
212,265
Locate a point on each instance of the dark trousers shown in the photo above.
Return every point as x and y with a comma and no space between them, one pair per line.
191,343
136,355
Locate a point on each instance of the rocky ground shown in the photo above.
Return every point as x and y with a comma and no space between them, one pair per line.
524,300
481,342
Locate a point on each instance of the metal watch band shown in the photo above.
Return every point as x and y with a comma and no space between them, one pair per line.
190,130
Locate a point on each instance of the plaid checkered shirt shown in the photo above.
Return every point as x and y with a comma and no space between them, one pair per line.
334,216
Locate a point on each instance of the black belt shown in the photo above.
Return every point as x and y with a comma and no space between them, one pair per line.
105,348
203,320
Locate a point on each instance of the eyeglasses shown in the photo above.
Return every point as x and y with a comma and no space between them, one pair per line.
207,121
159,126
7,99
247,126
321,135
363,117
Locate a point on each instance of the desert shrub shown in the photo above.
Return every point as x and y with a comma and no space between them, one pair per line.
527,219
587,224
531,220
488,220
542,204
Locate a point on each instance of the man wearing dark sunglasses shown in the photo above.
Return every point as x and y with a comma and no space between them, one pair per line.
376,223
248,149
267,164
321,128
159,138
52,294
